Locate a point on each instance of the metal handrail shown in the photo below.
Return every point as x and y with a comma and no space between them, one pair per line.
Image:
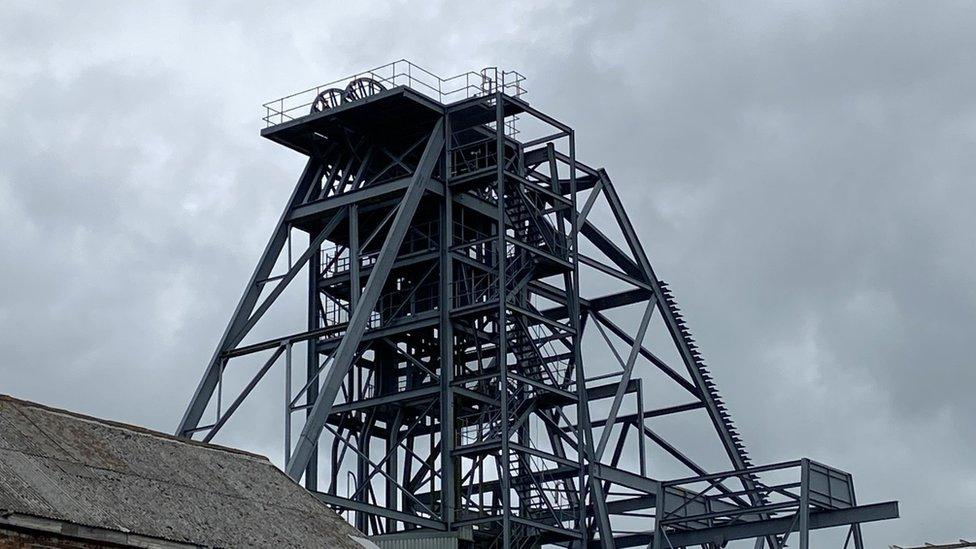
403,73
817,485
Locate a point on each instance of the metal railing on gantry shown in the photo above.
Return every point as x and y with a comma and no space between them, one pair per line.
398,73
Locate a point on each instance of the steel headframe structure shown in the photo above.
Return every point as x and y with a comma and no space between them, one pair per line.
444,384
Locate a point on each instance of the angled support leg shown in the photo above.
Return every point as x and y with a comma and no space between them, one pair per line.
687,357
205,390
342,358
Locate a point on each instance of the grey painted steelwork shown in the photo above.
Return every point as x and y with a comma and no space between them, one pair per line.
961,545
420,543
445,387
426,539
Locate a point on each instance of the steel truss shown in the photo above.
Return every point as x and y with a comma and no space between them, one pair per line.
444,387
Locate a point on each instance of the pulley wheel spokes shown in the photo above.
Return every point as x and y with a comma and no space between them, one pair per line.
327,99
362,88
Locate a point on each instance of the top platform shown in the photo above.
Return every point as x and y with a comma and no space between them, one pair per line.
388,111
401,73
388,99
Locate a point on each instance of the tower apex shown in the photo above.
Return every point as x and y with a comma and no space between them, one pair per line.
400,73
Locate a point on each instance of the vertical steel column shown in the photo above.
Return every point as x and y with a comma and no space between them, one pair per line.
501,251
658,516
354,261
362,441
288,402
312,363
597,496
571,280
393,468
446,344
804,511
856,528
641,439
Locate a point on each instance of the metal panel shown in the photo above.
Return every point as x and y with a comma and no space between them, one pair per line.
418,543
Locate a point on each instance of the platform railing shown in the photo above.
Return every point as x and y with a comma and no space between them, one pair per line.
403,73
703,502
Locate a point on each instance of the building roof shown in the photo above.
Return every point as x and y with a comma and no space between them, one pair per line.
114,477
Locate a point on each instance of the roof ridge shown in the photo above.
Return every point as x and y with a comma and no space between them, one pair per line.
130,427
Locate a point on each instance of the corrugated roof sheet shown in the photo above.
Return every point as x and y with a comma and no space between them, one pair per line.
79,469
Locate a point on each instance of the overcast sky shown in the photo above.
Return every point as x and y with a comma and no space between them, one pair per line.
801,173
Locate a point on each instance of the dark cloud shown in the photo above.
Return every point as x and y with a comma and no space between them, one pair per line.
803,174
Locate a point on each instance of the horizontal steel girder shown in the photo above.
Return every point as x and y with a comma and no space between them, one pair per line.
762,528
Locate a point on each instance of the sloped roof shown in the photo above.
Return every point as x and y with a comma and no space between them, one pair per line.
82,470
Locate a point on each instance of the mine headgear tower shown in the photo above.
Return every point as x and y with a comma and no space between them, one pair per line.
444,387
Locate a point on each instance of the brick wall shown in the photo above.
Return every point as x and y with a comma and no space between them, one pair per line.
14,539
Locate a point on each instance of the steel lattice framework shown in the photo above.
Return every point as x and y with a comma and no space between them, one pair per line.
444,369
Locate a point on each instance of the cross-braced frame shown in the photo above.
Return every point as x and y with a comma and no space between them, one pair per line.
444,386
